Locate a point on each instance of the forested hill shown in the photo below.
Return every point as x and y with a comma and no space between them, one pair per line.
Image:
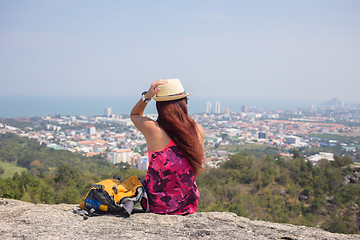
39,159
48,175
260,187
286,190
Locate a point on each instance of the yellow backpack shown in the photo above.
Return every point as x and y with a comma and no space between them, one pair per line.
112,195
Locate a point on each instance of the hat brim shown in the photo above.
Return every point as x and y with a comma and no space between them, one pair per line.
170,98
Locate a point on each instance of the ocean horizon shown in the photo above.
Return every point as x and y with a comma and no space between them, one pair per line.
30,106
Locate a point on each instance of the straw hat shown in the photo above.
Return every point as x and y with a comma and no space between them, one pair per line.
172,90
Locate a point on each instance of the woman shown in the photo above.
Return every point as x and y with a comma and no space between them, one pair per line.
176,149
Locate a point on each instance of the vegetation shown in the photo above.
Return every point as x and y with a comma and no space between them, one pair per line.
39,159
254,149
283,190
251,184
35,173
9,169
20,122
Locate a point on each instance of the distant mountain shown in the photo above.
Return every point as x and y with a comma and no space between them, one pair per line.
333,103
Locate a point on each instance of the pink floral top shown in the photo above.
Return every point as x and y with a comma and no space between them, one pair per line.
170,182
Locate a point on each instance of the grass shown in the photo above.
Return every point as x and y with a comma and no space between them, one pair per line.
10,169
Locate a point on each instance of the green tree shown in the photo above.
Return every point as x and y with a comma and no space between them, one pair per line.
343,161
66,174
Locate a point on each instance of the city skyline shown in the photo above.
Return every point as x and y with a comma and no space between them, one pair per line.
43,106
278,51
283,130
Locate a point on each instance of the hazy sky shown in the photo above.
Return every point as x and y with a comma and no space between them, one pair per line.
250,49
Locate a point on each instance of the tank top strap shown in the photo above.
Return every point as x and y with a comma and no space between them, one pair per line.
171,143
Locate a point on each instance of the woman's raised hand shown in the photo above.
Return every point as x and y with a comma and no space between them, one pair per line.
154,88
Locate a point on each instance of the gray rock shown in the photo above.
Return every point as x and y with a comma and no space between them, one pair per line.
352,178
21,220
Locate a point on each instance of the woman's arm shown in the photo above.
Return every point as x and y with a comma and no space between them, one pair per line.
142,123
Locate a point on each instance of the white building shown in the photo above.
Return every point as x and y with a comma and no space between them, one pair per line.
121,156
233,131
142,163
293,140
217,108
108,112
315,159
208,107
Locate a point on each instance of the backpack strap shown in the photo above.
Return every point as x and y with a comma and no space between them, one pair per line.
128,207
144,202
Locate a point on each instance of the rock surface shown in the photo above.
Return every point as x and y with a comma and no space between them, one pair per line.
21,220
352,178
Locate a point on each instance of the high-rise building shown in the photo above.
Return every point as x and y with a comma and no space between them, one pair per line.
208,107
91,130
244,108
108,112
217,109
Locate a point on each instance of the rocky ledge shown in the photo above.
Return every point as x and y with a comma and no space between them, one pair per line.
21,220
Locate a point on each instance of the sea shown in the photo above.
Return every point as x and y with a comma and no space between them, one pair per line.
38,106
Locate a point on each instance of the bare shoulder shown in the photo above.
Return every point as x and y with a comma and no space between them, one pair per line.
200,130
200,127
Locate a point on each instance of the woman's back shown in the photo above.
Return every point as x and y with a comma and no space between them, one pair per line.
170,182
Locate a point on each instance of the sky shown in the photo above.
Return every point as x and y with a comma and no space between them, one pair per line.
261,50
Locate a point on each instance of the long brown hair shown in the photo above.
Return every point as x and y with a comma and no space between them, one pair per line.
182,129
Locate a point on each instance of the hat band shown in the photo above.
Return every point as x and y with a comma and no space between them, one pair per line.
172,95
